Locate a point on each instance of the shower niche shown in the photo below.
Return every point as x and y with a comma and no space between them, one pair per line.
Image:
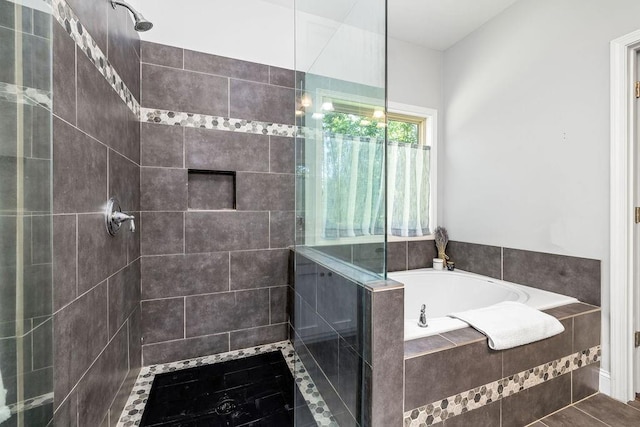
211,190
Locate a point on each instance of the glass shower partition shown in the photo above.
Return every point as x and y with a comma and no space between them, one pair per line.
26,308
340,63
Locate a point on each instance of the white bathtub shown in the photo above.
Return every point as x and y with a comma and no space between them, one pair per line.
445,292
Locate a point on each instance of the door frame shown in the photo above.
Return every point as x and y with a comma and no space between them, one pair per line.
622,202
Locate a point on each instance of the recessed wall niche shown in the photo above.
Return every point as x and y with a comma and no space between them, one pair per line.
211,190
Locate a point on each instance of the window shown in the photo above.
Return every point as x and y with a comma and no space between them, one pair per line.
352,164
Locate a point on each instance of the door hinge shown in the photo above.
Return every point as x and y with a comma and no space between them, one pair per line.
637,215
637,89
637,339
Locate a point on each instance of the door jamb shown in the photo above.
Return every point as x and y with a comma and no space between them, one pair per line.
623,189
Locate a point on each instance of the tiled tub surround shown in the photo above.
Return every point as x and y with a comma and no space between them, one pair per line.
214,279
96,155
576,277
455,379
134,408
349,335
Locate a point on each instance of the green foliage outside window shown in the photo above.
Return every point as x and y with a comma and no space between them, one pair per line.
354,125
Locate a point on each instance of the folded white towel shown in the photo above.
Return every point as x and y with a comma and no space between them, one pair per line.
5,413
510,324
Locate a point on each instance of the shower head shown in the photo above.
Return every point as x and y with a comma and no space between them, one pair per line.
141,23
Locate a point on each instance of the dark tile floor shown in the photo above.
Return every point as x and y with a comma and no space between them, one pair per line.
256,391
597,410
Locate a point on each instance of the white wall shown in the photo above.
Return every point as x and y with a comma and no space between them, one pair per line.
527,129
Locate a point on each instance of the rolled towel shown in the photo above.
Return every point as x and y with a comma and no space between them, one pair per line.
5,413
510,324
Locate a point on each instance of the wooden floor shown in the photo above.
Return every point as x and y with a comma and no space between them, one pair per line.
597,411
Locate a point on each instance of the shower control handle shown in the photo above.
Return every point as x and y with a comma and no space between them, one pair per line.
114,217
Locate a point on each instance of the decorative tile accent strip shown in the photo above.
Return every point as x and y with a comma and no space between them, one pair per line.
70,22
215,122
132,413
469,400
31,403
25,95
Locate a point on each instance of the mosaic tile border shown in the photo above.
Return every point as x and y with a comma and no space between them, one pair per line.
132,413
34,402
203,121
475,398
25,95
65,16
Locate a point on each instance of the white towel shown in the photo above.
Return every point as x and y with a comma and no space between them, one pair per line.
510,324
5,413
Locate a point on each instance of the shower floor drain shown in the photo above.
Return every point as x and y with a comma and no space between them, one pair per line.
256,391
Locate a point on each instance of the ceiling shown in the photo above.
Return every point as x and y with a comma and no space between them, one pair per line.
436,24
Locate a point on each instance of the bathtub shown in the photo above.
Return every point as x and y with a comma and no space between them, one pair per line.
445,292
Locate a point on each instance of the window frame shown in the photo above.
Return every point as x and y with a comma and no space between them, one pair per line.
429,136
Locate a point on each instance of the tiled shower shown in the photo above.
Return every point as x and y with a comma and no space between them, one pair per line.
216,159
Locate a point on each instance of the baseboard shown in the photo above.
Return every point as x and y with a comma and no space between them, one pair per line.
605,382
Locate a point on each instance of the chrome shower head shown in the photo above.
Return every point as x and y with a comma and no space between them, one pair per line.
141,23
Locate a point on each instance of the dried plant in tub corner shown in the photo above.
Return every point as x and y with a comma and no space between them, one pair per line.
442,238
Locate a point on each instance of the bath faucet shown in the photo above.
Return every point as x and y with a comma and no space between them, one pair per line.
422,321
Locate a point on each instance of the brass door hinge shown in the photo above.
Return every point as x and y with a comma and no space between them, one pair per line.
637,339
637,89
637,215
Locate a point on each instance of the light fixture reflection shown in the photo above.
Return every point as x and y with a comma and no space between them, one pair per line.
318,116
327,106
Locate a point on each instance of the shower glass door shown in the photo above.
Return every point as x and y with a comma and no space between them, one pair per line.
340,63
26,334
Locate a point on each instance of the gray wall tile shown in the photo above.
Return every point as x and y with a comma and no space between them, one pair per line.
135,339
258,336
180,275
64,75
211,314
282,77
103,379
99,254
185,349
469,365
124,295
585,381
258,191
123,49
162,320
488,415
163,189
177,90
162,233
80,332
282,154
577,277
420,253
586,333
226,151
79,180
228,67
160,54
529,405
161,145
259,269
387,354
93,15
256,101
223,231
278,300
281,229
64,260
480,259
124,182
396,256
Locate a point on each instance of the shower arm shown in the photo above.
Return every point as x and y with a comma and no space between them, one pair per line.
115,3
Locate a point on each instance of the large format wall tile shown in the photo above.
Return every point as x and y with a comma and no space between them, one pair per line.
480,259
222,66
159,54
256,101
181,275
163,320
529,405
124,45
258,336
577,277
64,75
259,269
124,182
224,231
163,189
188,348
94,16
226,151
256,191
64,260
124,295
162,233
177,90
161,146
